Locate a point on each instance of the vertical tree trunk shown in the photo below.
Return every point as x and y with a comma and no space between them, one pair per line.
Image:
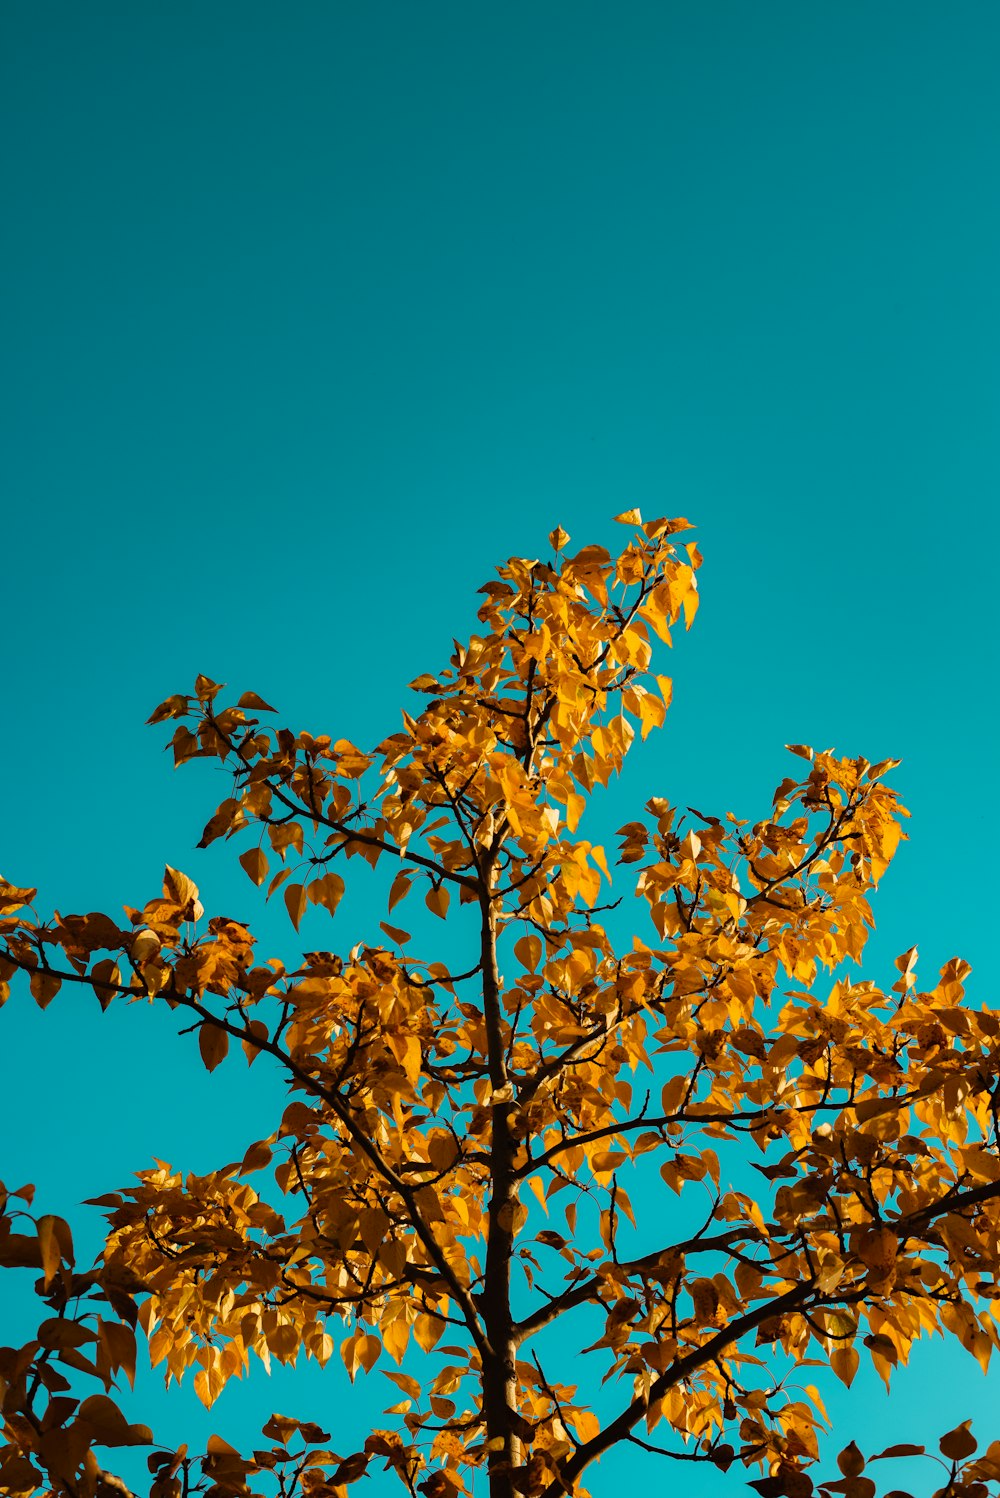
499,1377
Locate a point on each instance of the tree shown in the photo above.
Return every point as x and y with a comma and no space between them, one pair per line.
454,1166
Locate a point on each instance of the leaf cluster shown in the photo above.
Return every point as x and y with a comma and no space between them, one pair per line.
442,1122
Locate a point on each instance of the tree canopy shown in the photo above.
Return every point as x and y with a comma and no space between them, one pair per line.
561,1132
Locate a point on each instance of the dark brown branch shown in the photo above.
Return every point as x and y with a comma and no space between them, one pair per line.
588,1290
619,1428
343,829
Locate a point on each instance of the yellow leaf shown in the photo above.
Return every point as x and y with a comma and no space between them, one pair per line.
251,700
44,987
538,1187
672,1094
48,1246
183,892
208,1384
283,1340
651,714
412,1060
629,517
351,763
844,1362
427,1331
395,1335
295,903
360,1350
145,944
326,891
575,807
814,1395
369,1352
528,951
404,1381
348,1352
586,1423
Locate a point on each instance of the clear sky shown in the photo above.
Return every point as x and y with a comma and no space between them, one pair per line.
312,313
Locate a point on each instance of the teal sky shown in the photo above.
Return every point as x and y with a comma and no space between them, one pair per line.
310,314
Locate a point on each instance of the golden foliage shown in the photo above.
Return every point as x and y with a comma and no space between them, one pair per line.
451,1175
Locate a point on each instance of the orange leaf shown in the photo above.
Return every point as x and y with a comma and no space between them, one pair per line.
850,1461
437,900
213,1044
257,1028
958,1443
12,898
395,933
254,862
216,1446
109,1425
401,887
